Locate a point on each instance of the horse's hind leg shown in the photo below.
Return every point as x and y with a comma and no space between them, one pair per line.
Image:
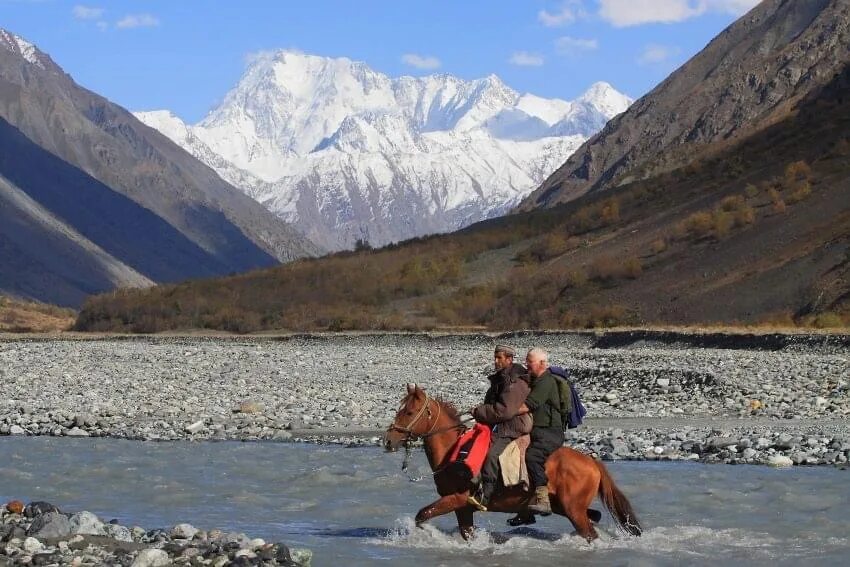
575,508
441,506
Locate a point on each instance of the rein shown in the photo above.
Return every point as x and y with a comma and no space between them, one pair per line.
411,437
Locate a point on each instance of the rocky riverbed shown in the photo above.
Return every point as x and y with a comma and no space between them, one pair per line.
778,400
39,533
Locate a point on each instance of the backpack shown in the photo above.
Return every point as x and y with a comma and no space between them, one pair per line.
571,408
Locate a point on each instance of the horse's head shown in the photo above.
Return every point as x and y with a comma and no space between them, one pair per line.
413,418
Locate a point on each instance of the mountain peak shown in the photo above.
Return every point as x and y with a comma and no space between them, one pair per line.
21,47
605,98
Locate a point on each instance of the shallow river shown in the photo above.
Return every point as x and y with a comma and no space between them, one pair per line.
354,504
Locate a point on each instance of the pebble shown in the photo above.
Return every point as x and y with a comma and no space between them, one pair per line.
181,544
345,389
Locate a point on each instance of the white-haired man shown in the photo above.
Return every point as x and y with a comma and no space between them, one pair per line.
547,433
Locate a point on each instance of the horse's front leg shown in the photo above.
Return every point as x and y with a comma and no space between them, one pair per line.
465,522
441,506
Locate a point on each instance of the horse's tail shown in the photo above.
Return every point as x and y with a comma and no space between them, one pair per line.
617,503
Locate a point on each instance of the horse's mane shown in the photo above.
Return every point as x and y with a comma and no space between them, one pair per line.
448,408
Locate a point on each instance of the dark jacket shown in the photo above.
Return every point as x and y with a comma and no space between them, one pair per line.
544,401
508,390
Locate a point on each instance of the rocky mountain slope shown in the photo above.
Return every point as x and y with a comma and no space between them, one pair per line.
345,153
749,228
749,77
93,199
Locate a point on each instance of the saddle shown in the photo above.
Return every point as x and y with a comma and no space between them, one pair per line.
468,454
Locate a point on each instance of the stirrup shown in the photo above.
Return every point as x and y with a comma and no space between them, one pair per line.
472,501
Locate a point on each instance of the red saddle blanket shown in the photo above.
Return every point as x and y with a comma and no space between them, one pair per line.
471,449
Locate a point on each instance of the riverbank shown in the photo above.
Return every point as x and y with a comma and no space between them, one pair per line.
771,398
39,533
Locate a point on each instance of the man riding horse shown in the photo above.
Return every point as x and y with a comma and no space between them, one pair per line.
500,411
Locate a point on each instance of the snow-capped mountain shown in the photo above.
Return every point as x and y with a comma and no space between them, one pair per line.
345,152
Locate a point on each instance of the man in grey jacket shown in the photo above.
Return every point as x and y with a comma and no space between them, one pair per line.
507,392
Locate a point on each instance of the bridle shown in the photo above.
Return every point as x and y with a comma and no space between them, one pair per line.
410,436
424,410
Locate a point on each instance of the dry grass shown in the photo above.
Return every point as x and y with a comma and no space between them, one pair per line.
29,317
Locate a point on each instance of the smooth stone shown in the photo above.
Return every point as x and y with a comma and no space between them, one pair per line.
118,532
779,461
16,430
77,432
184,531
151,558
663,382
194,427
86,523
32,545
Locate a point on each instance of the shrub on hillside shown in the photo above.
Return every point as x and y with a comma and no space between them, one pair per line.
632,268
658,245
801,191
795,172
610,212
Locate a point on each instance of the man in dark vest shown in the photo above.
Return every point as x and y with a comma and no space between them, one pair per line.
506,394
547,434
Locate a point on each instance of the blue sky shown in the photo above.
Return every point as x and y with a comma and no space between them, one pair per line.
184,55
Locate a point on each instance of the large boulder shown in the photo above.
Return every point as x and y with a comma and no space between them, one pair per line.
51,524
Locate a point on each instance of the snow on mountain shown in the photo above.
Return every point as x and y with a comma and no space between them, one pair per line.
22,47
345,152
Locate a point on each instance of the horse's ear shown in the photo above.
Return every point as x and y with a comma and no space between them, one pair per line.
411,388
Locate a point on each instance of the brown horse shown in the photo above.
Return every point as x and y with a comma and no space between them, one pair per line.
574,478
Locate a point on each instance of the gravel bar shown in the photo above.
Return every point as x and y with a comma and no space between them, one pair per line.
732,398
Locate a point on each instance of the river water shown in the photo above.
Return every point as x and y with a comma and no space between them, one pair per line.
354,504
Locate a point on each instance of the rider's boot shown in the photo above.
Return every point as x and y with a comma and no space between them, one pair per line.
523,518
541,501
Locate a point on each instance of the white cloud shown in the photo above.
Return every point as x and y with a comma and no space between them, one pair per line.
623,13
420,61
137,21
525,59
654,54
87,12
569,12
573,46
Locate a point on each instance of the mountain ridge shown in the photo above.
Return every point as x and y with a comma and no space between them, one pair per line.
346,153
126,191
745,79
